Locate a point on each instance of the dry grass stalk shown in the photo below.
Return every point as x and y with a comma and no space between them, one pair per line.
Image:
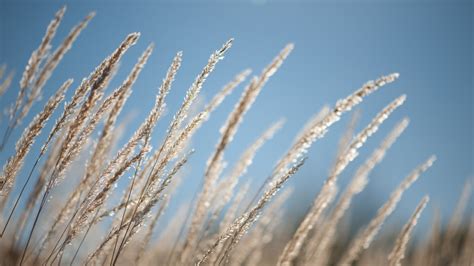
37,73
240,226
53,61
346,138
154,115
326,234
49,66
6,83
69,110
142,135
225,189
153,182
96,82
208,109
427,254
93,203
98,156
116,99
134,221
363,239
256,257
153,178
456,218
312,121
297,149
39,54
138,219
71,146
31,70
155,166
226,90
246,160
229,217
214,164
466,257
192,93
175,148
107,131
450,236
152,118
23,145
293,248
261,234
398,252
147,239
320,126
35,197
124,158
83,136
38,188
235,206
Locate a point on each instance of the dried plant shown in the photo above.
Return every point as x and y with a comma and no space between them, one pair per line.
329,188
398,251
7,81
23,145
215,162
38,70
365,238
111,210
322,240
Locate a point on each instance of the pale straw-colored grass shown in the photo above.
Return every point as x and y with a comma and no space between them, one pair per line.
110,211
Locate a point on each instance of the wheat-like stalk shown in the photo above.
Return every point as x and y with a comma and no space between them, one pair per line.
240,226
149,233
398,252
6,82
326,234
138,219
38,188
327,193
96,214
364,239
226,90
37,73
23,145
320,126
56,57
123,160
194,91
97,82
261,234
40,53
71,146
225,188
118,98
215,162
103,144
179,117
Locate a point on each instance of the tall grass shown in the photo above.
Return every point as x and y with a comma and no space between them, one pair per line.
97,221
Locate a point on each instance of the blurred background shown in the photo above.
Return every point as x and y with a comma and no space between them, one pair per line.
339,45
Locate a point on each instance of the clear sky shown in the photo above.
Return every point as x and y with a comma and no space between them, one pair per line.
339,45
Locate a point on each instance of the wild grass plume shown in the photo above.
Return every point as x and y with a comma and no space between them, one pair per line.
72,193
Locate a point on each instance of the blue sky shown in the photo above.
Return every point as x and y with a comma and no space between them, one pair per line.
338,47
